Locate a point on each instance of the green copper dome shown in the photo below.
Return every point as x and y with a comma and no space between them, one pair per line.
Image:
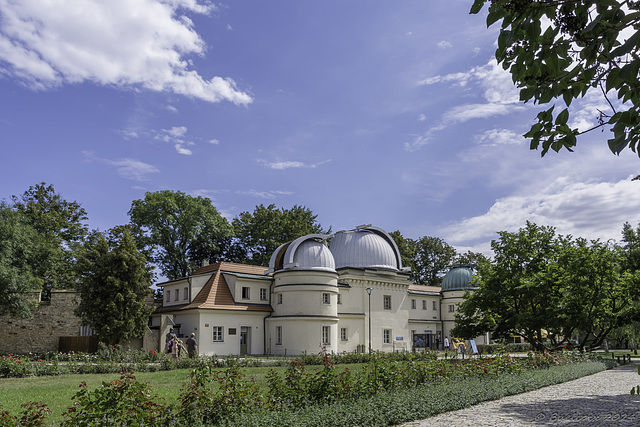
458,277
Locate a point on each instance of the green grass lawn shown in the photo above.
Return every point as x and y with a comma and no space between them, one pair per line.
58,391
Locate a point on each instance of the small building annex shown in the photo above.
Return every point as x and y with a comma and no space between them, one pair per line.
342,292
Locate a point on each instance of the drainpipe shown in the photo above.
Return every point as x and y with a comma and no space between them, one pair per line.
264,321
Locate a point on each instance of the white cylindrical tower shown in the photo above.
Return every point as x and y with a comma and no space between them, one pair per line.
304,298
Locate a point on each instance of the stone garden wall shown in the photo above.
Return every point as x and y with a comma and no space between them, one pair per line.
41,333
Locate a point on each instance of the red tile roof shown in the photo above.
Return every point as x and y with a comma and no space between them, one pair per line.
215,295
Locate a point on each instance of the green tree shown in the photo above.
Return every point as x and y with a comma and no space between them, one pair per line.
114,284
513,295
428,257
470,257
431,256
406,247
548,289
596,297
631,247
62,224
558,51
180,230
22,248
259,234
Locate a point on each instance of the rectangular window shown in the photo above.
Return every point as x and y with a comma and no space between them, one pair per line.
387,302
245,292
263,294
326,337
424,304
168,296
185,293
343,334
232,331
434,305
278,335
452,308
326,298
386,336
218,334
279,298
339,299
413,304
177,294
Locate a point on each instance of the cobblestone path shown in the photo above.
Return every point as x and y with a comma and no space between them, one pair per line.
601,399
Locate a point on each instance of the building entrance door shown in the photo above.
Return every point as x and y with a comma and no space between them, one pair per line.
244,340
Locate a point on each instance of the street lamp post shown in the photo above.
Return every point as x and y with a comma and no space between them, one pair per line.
369,292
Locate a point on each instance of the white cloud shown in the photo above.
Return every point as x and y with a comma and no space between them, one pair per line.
461,79
266,194
495,137
422,118
206,193
466,112
214,141
289,164
132,169
176,131
175,135
583,209
445,44
181,150
124,43
498,90
496,82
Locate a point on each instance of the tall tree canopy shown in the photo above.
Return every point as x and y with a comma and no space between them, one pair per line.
557,51
406,246
631,247
428,257
60,223
259,234
22,249
470,257
181,230
52,215
115,281
431,257
548,289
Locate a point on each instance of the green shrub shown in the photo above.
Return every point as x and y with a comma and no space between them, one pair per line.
202,403
511,347
33,414
14,366
124,402
401,406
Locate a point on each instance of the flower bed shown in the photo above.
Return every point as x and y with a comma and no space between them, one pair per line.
383,392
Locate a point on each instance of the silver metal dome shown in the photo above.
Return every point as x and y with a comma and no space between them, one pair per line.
308,252
365,247
458,277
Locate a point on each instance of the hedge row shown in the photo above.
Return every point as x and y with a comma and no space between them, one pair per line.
401,406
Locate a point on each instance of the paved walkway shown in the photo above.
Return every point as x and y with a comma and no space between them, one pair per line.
601,399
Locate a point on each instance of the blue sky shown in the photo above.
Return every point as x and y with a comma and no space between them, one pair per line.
367,112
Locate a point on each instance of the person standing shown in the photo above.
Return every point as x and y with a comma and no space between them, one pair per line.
181,350
174,347
446,343
192,346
